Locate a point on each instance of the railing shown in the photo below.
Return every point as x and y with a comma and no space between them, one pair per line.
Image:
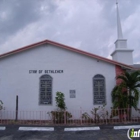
71,117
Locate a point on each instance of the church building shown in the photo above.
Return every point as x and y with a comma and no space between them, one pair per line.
37,71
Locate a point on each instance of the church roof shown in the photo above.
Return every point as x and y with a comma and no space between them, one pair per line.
136,66
67,48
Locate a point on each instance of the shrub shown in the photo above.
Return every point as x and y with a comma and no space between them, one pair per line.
60,115
96,114
60,103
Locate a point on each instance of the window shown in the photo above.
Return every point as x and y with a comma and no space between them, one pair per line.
99,89
45,97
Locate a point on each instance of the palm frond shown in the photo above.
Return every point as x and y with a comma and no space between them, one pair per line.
130,82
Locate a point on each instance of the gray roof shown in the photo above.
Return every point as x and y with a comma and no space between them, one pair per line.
137,66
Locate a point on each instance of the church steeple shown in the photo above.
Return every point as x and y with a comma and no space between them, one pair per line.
119,28
121,53
120,42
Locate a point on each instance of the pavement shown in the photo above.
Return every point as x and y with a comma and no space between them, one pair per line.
103,132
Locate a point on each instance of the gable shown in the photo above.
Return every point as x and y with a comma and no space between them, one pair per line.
38,44
49,55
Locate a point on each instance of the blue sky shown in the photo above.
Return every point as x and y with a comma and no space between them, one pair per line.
89,25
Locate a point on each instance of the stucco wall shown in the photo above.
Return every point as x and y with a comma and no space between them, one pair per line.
123,57
78,72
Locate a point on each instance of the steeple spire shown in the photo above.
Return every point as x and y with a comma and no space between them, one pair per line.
121,53
120,42
119,28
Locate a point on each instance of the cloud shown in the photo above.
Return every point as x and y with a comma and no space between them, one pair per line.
88,25
15,15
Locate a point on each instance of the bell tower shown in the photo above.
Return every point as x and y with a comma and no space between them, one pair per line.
121,53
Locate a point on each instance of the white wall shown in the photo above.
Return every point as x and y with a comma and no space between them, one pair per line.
78,75
123,56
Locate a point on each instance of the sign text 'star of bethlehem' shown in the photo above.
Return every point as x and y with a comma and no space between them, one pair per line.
45,71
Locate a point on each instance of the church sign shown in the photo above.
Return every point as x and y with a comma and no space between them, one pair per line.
45,71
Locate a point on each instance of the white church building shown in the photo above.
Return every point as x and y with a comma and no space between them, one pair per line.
37,71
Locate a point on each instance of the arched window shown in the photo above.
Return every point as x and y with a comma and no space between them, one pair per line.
99,89
45,96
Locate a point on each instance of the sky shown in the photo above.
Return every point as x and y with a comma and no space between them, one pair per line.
88,25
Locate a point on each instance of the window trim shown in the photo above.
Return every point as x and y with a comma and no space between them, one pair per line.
94,91
51,91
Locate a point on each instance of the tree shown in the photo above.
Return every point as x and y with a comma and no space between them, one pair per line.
128,91
60,103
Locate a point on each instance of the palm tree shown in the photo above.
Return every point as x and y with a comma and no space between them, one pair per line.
127,93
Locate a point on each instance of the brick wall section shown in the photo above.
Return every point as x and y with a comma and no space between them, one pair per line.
119,71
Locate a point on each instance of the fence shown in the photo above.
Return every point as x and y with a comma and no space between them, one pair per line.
71,117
